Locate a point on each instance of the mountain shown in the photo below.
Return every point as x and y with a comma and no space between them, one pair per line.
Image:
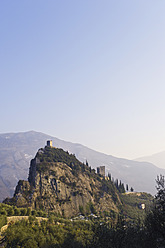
17,150
157,159
60,183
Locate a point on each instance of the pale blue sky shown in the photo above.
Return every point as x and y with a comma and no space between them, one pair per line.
91,72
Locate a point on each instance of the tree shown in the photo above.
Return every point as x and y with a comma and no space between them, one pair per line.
131,189
117,183
160,196
17,211
23,211
10,211
120,184
121,187
109,175
28,211
155,220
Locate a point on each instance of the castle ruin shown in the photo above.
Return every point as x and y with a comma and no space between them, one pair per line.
49,143
101,170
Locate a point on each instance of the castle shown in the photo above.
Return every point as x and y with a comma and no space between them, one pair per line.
101,170
49,143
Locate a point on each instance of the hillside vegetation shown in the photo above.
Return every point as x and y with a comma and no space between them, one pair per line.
58,182
17,150
82,208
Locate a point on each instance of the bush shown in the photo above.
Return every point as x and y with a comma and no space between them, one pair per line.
23,211
3,212
3,221
10,211
17,212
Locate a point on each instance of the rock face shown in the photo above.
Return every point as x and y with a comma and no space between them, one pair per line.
59,182
17,150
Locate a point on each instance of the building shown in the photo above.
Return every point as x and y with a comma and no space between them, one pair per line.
49,143
101,170
142,206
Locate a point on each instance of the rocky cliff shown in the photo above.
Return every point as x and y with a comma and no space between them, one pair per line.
59,182
17,150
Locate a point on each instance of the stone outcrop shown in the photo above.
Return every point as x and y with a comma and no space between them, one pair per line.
59,182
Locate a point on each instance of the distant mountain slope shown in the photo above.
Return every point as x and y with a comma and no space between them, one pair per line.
157,159
17,149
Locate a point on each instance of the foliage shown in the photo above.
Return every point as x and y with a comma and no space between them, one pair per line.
49,234
155,220
52,155
63,233
119,186
160,196
106,230
131,203
9,210
3,220
131,189
100,233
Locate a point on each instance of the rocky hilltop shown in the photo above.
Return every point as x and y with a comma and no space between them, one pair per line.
59,182
17,150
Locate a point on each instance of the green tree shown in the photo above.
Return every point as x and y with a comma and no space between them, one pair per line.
117,183
34,212
3,220
160,196
23,211
3,212
121,187
28,211
109,175
155,220
17,211
81,209
131,189
10,211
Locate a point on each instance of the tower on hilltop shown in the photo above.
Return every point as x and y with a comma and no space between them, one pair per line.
49,143
101,170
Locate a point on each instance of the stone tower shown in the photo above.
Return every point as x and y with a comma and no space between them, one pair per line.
49,143
101,170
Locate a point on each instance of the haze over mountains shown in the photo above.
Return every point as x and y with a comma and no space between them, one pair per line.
17,149
158,159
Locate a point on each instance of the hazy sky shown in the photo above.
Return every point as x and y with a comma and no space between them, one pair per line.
86,71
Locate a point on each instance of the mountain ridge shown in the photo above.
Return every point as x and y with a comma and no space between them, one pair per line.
157,159
17,149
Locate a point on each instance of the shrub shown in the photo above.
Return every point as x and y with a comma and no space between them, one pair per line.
3,221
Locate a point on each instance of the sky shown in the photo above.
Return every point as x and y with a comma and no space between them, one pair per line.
89,72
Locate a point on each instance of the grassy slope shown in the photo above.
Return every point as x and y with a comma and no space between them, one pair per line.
131,203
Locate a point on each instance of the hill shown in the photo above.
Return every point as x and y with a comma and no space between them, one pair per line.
59,182
17,149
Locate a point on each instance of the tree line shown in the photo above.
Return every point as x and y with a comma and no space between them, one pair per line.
119,185
60,233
